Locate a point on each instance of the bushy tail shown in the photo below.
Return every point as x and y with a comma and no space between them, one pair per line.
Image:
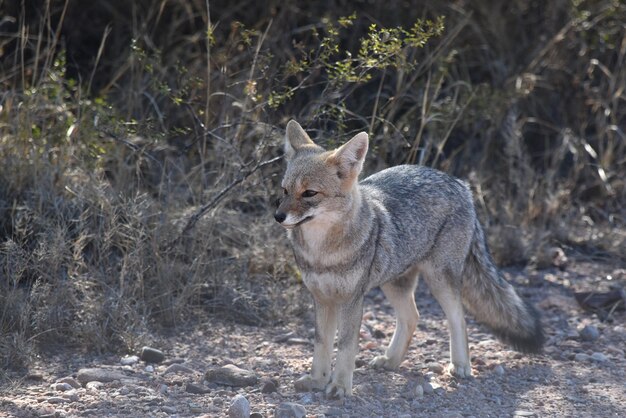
495,303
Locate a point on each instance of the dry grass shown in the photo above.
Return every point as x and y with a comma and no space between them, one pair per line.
113,135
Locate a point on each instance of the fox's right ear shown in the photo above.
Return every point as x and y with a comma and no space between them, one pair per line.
295,139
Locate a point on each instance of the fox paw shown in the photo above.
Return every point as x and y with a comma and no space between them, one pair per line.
307,384
460,370
384,362
336,390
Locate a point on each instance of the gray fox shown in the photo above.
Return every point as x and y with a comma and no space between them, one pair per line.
349,237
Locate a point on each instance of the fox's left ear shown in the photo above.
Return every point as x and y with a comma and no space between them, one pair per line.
350,156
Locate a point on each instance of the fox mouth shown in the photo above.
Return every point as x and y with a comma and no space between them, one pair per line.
307,219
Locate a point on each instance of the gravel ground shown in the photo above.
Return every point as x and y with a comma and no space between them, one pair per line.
582,371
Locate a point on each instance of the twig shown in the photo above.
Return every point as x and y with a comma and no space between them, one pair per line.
193,219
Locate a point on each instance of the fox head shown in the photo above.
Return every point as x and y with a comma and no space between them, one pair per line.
318,185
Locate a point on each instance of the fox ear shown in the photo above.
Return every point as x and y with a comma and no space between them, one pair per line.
350,156
295,139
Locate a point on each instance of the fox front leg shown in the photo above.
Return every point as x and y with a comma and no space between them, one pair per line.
325,329
347,347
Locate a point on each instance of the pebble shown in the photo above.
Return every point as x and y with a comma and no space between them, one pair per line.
61,387
256,415
427,388
94,385
589,333
178,368
56,399
419,391
239,407
194,408
522,413
70,381
298,341
435,367
268,386
124,390
71,395
196,389
581,357
499,370
151,355
173,360
290,410
168,409
231,375
333,411
85,376
307,398
599,357
129,360
149,368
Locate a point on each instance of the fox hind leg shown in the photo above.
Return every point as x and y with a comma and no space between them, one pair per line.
401,295
449,298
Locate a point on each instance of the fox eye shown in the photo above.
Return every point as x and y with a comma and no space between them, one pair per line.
309,193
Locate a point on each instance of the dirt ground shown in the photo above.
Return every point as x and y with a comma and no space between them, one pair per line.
578,375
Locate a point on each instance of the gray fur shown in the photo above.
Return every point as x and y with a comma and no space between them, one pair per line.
384,231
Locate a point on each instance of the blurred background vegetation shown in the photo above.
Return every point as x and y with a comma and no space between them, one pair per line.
140,144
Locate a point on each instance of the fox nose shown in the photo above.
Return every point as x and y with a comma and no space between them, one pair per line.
280,217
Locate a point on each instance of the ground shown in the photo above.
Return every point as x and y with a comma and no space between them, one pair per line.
577,375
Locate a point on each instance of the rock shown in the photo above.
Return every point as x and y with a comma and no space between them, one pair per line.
599,357
435,367
151,355
269,386
85,376
231,375
70,381
298,341
290,410
589,333
499,370
173,361
378,334
239,407
616,351
581,357
427,388
333,411
195,408
61,387
129,360
124,390
168,409
149,368
196,389
71,395
56,399
178,368
94,385
521,413
256,415
419,391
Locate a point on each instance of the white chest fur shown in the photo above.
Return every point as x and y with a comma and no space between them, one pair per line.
332,286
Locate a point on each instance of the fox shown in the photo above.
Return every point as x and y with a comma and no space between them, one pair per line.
387,230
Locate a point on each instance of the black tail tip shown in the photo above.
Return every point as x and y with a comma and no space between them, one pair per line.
531,341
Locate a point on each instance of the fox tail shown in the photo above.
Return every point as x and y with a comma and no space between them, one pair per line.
495,303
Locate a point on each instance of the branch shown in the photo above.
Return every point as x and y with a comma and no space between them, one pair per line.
193,219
